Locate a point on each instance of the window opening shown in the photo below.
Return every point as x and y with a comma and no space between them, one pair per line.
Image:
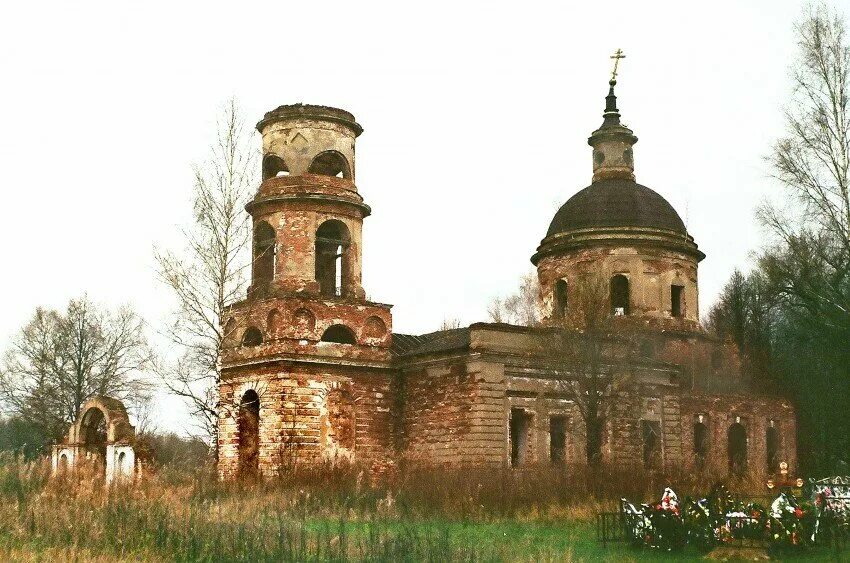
252,337
520,426
560,299
700,443
737,449
249,434
339,334
620,295
651,432
332,258
772,446
676,300
558,439
265,252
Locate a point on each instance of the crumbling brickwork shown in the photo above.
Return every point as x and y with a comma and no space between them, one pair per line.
313,373
445,414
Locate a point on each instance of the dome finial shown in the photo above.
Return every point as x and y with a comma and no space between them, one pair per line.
612,142
612,115
618,54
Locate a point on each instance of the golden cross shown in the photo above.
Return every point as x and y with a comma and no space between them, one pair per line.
617,56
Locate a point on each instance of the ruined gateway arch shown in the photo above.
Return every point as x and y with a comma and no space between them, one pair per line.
101,438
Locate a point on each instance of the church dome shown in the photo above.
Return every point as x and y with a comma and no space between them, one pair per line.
616,202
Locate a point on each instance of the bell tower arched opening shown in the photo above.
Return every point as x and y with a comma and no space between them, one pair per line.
333,260
339,334
274,166
330,163
265,253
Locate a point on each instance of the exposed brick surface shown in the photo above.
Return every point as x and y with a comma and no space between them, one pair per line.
449,398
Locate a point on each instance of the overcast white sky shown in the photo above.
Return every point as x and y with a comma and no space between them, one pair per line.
476,120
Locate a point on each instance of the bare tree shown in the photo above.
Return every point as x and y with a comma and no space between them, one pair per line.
807,269
746,313
584,352
589,358
210,272
450,323
60,360
520,308
811,264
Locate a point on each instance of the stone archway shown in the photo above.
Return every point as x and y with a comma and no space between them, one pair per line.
100,436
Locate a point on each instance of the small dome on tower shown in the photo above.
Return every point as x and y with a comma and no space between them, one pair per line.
310,111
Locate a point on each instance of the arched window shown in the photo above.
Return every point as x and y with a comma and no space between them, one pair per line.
265,251
651,434
63,463
120,470
772,447
274,166
700,443
252,337
619,295
676,293
330,163
560,299
332,258
737,449
340,334
249,434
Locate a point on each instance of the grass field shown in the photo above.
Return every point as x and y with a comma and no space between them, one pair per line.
330,516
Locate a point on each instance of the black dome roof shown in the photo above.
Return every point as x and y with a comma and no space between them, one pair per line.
616,203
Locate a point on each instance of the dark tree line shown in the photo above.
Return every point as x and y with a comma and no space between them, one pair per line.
790,317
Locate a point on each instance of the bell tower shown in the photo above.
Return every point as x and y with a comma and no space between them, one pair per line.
305,357
307,214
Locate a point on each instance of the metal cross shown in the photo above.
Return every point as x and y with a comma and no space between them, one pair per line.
617,56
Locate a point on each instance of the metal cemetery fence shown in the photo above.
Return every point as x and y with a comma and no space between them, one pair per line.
820,518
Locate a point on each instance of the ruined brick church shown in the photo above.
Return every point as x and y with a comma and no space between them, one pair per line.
311,369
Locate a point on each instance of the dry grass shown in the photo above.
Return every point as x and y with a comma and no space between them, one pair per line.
331,513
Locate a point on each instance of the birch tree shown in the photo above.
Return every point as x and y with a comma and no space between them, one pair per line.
211,271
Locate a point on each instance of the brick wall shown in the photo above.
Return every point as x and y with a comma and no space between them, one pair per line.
307,415
754,413
453,413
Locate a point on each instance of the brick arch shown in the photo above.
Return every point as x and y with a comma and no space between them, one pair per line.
331,163
375,327
118,428
273,322
304,322
273,166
